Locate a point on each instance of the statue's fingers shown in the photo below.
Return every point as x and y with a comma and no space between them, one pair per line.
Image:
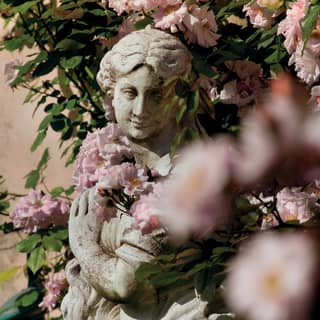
74,207
83,204
92,200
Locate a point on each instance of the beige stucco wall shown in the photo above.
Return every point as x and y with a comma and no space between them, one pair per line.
17,132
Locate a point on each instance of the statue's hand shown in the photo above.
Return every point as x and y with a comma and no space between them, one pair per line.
84,226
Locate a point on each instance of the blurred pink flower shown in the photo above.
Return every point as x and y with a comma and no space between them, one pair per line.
273,277
54,285
199,26
10,71
290,27
170,17
195,202
272,139
38,211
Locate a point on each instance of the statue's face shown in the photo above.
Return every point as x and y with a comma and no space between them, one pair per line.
137,99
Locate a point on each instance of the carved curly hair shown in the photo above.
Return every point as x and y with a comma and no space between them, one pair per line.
162,51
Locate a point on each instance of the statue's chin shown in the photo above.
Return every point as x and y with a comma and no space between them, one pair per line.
136,133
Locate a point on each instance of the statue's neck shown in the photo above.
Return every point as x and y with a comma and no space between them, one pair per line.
154,152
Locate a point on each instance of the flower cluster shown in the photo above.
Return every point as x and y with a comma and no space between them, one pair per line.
39,211
100,150
54,286
197,23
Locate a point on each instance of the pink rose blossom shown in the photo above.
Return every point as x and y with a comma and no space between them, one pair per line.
166,3
126,176
248,85
259,17
209,86
146,211
307,64
294,204
290,27
100,150
199,26
38,211
273,277
10,71
121,6
54,285
170,17
134,180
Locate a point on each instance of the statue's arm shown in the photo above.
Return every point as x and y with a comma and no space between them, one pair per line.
110,272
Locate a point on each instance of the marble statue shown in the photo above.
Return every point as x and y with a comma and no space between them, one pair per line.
102,275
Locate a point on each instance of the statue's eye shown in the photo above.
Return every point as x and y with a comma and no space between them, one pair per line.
129,93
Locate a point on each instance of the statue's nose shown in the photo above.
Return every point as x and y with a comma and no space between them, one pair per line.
140,106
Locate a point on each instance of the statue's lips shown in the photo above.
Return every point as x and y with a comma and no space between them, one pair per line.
139,124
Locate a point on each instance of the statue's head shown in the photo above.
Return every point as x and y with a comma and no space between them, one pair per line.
133,73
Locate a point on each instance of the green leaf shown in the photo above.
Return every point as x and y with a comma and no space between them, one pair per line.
7,227
39,139
69,44
202,67
309,22
52,244
70,191
220,250
24,7
56,192
166,278
28,299
18,42
193,102
8,274
32,179
47,66
36,259
4,205
45,122
141,24
182,110
28,244
44,160
58,123
146,270
60,234
266,43
71,63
